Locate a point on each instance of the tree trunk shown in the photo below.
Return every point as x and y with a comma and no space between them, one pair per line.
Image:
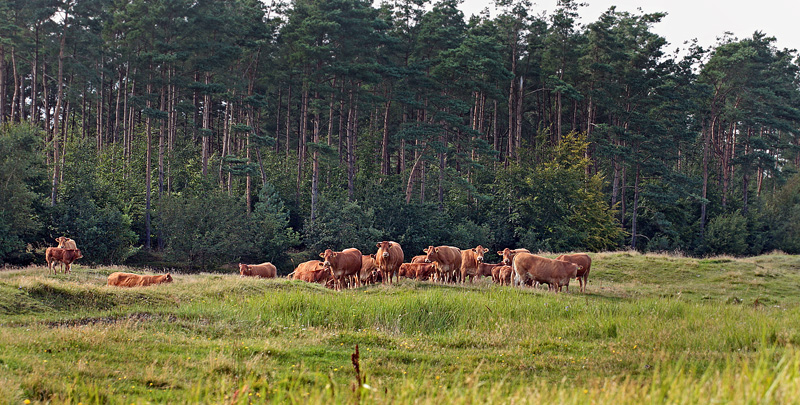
3,88
57,115
206,133
161,136
635,208
149,133
34,116
315,170
301,140
17,96
288,121
385,166
706,146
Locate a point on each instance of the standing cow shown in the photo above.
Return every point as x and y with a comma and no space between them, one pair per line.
446,260
508,255
583,260
63,256
368,272
67,243
555,273
470,260
389,258
263,270
342,264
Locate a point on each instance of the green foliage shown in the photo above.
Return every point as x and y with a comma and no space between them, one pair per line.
271,234
727,233
339,225
23,187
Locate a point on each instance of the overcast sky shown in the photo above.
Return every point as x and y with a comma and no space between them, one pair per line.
705,20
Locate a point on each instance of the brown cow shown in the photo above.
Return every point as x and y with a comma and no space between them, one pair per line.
418,259
67,243
583,260
263,270
342,264
389,258
368,272
311,271
555,273
418,271
446,260
486,270
120,279
63,256
508,255
503,275
470,260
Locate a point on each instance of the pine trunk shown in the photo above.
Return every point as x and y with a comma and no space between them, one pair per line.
57,114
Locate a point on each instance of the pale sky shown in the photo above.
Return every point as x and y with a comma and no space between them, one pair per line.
705,20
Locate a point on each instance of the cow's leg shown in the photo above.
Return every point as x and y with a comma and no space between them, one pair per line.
585,279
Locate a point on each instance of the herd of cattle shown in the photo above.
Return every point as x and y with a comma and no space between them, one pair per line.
351,268
445,264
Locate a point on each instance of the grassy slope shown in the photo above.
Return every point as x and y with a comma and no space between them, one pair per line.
651,328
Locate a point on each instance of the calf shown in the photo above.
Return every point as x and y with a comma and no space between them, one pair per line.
419,271
63,256
487,270
555,273
583,260
367,274
120,279
263,270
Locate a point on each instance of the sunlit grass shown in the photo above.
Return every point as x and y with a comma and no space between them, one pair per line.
649,323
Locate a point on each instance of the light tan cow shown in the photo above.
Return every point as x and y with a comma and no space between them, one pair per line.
311,271
446,260
67,243
418,259
508,255
470,260
263,270
583,260
342,264
555,273
388,259
120,279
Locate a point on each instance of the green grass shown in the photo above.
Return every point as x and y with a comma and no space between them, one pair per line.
652,328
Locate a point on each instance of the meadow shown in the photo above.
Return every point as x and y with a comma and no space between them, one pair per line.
651,329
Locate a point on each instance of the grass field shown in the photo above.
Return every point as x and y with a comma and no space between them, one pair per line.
652,328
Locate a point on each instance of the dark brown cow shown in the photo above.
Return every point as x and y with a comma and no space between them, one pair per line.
63,256
120,279
311,271
470,260
486,270
508,255
446,260
418,259
555,273
583,260
389,258
418,271
342,264
263,270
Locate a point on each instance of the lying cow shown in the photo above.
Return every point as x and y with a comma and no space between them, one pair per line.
311,271
67,243
417,271
63,256
555,273
263,270
583,260
120,279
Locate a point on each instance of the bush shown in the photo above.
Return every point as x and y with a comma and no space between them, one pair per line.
727,234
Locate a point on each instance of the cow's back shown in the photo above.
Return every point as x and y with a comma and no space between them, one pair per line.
543,270
121,279
581,259
263,270
418,259
348,261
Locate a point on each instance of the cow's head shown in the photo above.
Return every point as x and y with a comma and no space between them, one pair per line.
244,270
168,278
61,240
384,246
479,251
432,253
508,255
327,257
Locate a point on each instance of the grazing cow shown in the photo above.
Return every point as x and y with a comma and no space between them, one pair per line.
555,273
389,258
342,264
508,255
583,260
368,271
419,271
63,256
67,243
120,279
263,270
446,260
418,259
470,260
311,271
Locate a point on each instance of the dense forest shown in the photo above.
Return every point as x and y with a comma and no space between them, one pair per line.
205,132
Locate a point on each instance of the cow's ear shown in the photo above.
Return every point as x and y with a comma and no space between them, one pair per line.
391,244
378,245
475,250
499,253
436,250
322,255
425,250
372,256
